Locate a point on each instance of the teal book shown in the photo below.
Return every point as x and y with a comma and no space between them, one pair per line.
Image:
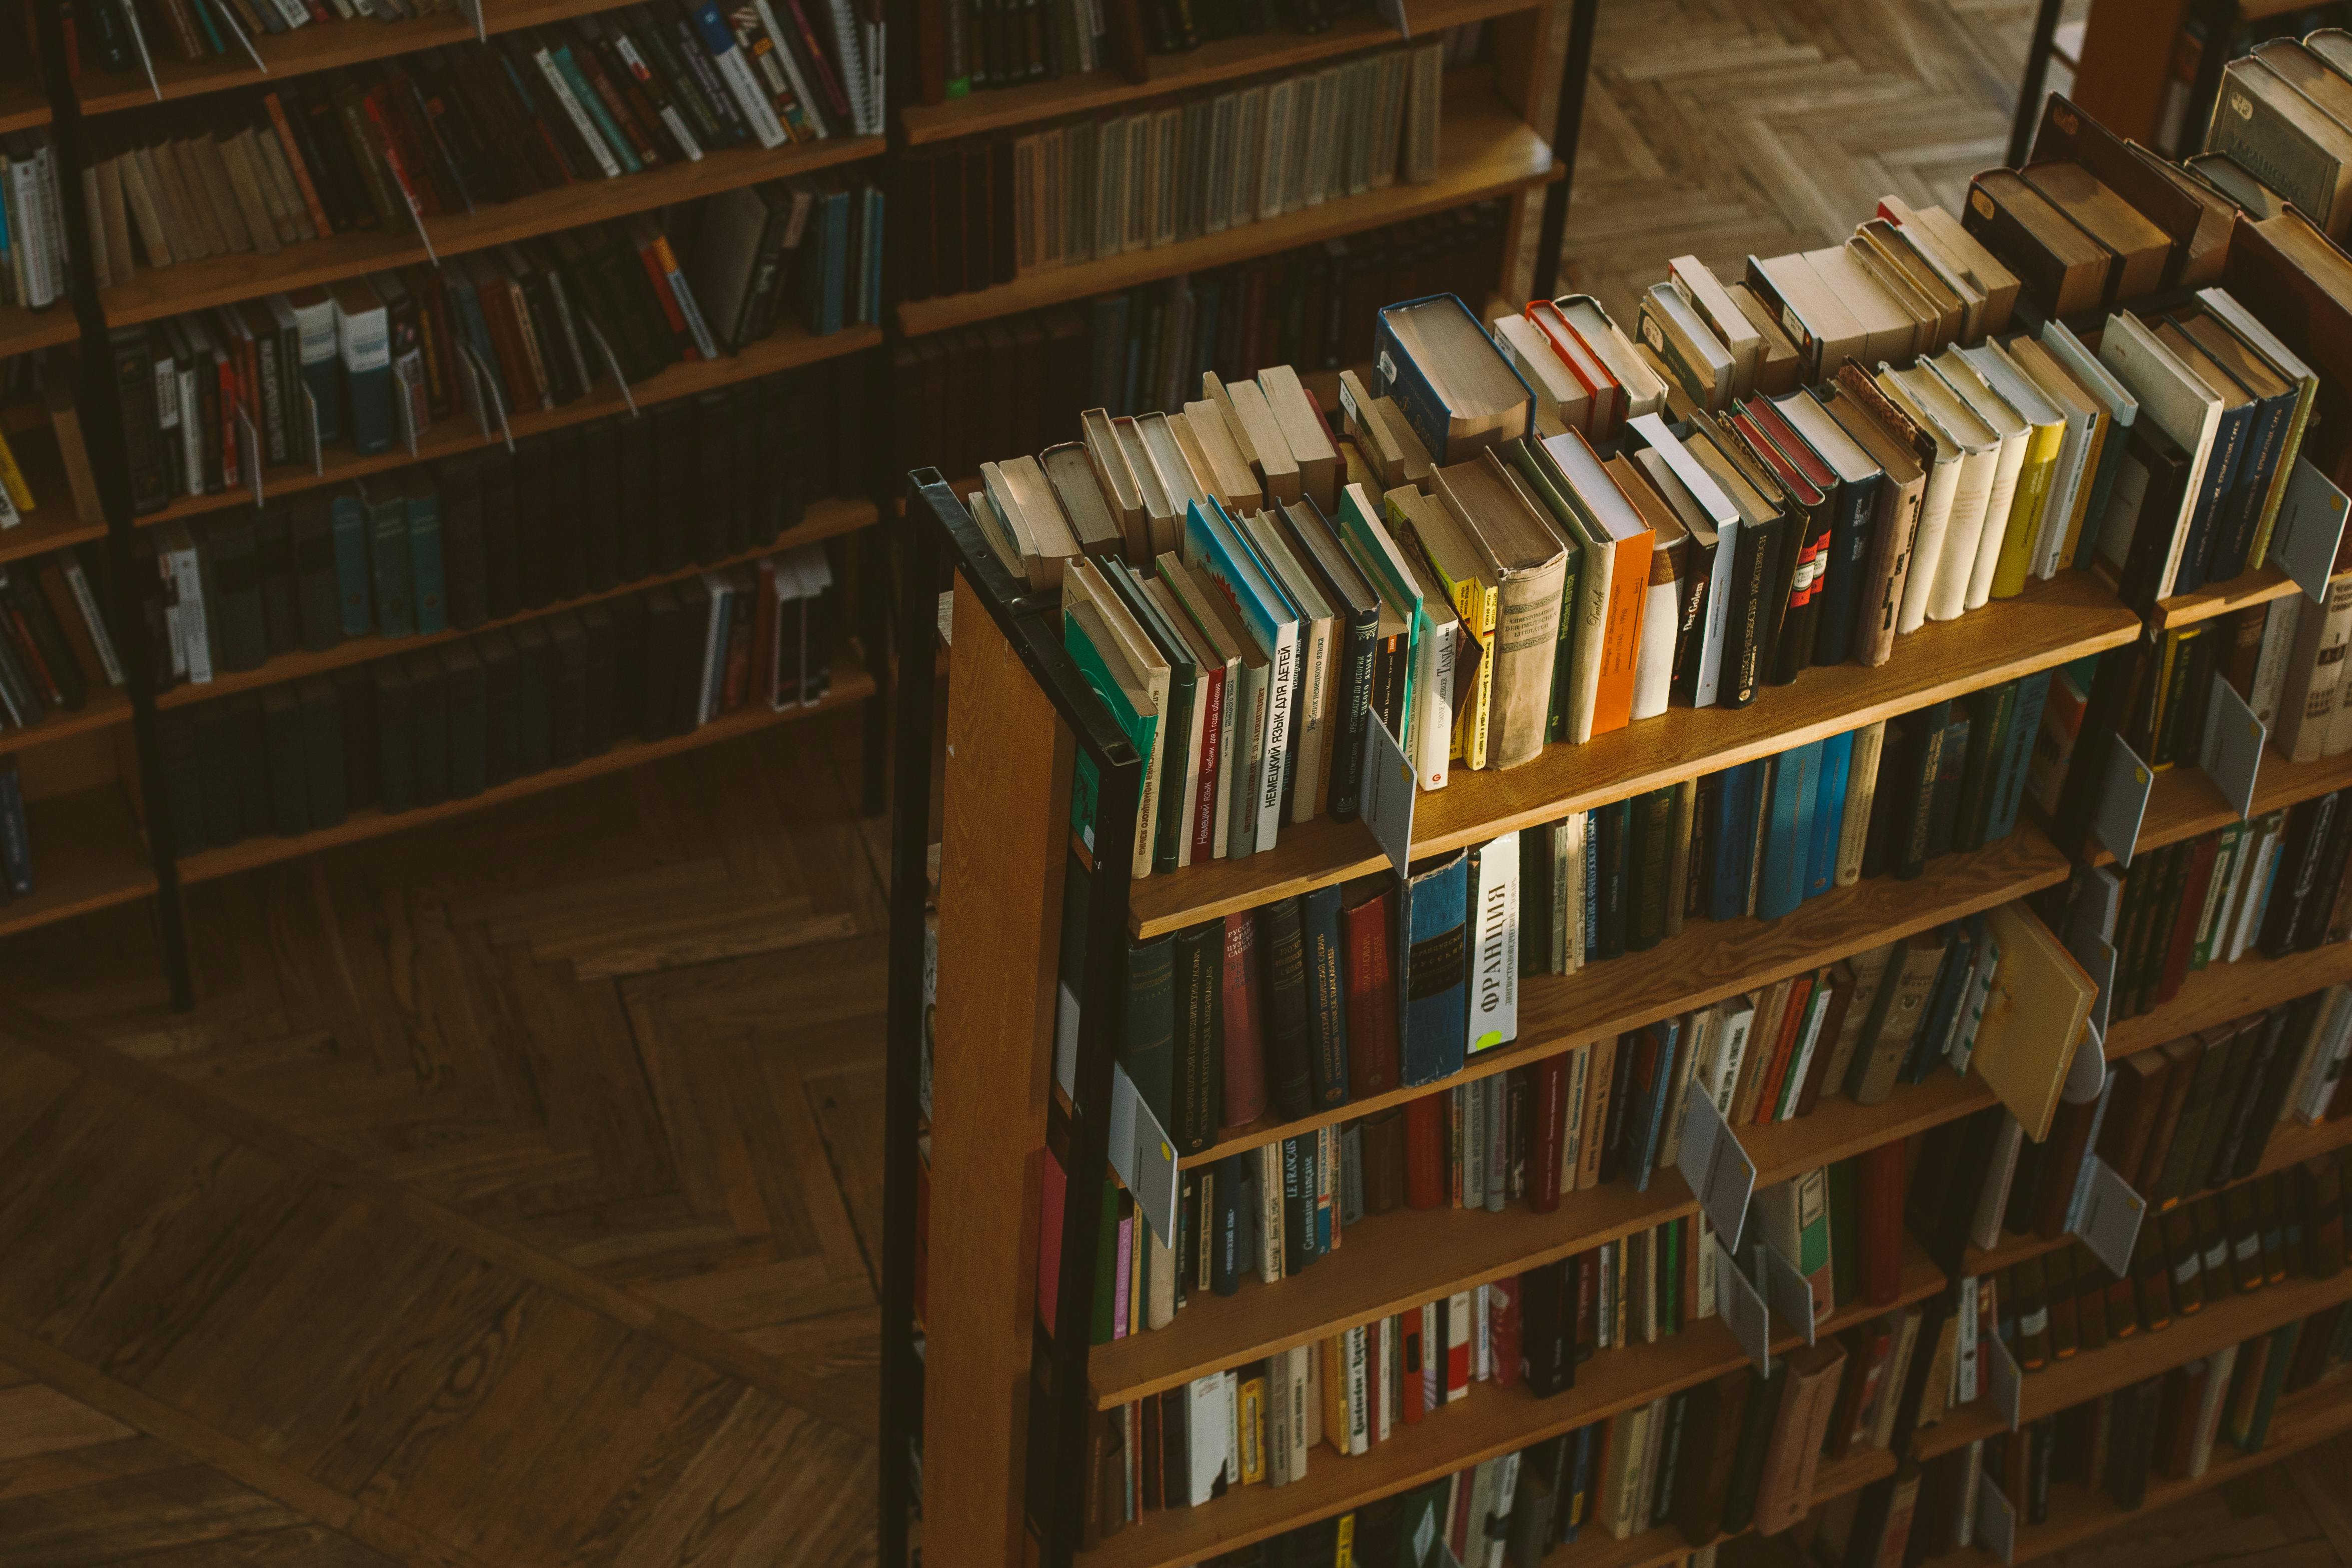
1788,842
427,589
606,127
2275,1367
1827,820
388,551
353,575
1086,785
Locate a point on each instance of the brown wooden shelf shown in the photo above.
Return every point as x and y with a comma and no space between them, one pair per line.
51,525
2257,586
788,350
23,332
2301,1419
1491,1421
1594,1547
824,520
23,107
2093,1373
107,707
1487,150
2183,802
2219,992
1714,959
1225,61
184,286
850,684
88,854
2049,624
2291,1143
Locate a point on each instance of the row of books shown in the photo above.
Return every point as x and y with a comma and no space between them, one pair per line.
981,212
2287,138
35,262
16,836
1012,383
448,722
576,512
55,644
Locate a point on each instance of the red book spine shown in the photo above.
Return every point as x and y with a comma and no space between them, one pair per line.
1425,1185
1551,1124
1881,1180
1245,1053
2184,925
1792,1023
1502,1330
1371,999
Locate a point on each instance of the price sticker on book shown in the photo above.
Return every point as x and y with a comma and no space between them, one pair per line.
2123,802
2109,1216
1789,1293
1388,794
2004,1379
1717,1168
2310,526
613,368
1996,1522
1741,1307
2231,752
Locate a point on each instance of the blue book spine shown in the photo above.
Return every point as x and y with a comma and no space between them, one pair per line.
1327,997
2268,440
427,589
1829,814
388,533
353,573
1734,834
1787,837
2220,473
2017,762
1433,980
15,839
1669,1035
606,126
1398,376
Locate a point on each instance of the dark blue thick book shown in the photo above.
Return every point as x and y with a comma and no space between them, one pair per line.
1615,841
2017,757
1829,814
1669,1035
1433,989
1943,1001
1400,376
1732,834
1788,842
2230,439
1326,998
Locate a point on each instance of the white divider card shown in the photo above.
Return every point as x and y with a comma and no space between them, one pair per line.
2231,752
1742,1309
1791,1295
474,398
404,381
2004,1379
1388,795
486,389
310,412
1996,1522
947,619
226,14
1143,1156
2111,1214
129,14
613,368
1717,1168
248,451
2123,802
2309,528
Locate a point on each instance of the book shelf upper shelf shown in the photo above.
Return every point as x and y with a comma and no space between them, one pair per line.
1082,92
2050,623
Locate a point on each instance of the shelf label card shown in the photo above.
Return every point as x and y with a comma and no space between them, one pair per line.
1996,1522
2123,802
2231,752
613,366
475,10
2110,1216
1142,1155
2309,528
1717,1168
1791,1295
1742,1309
1388,795
2006,1380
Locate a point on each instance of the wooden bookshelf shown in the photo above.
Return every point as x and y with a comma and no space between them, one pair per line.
107,707
2219,992
88,854
2258,586
850,684
824,520
2184,803
2090,1373
51,525
1487,149
1594,1547
23,332
2049,624
788,349
2298,1421
1711,960
23,107
1227,60
1491,1421
184,286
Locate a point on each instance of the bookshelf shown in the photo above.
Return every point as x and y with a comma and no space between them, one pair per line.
22,107
23,332
2184,803
108,707
88,854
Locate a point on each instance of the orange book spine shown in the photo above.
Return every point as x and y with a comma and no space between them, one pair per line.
1793,1025
1620,634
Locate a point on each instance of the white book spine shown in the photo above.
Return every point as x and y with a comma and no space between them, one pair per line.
1432,722
1860,789
1927,545
1654,664
1962,532
2001,507
1281,691
87,601
2318,1086
195,633
577,113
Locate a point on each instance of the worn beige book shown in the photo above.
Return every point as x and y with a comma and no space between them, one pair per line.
1071,472
1028,559
1259,437
1116,478
1303,431
1696,282
1559,395
234,158
1934,232
1826,332
1386,438
1163,515
1956,303
1927,333
1483,401
1228,473
1528,565
1780,369
1889,331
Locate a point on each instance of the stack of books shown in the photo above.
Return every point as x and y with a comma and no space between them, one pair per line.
35,261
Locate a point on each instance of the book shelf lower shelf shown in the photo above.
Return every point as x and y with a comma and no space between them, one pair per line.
2086,1375
2301,1419
2183,803
2219,992
822,520
88,854
106,707
1490,1421
22,331
1596,1548
850,684
2052,622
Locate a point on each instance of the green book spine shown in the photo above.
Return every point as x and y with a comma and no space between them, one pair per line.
1198,985
2274,1373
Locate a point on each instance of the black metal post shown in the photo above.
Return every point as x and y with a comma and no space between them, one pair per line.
1575,72
101,424
2221,23
2029,92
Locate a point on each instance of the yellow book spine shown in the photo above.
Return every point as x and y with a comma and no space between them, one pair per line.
2033,497
12,479
1253,1434
2104,428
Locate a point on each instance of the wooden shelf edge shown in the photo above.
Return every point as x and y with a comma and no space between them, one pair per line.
23,332
22,109
107,706
88,855
2219,992
825,519
851,684
2258,586
50,529
456,434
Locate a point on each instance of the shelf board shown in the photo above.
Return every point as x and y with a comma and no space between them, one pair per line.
2049,624
51,526
788,350
1088,93
1490,1421
1485,149
2219,992
218,281
1714,959
321,46
2257,586
2302,1418
2093,1373
825,519
2290,1145
1594,1547
108,706
23,107
851,684
23,332
87,855
2183,802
